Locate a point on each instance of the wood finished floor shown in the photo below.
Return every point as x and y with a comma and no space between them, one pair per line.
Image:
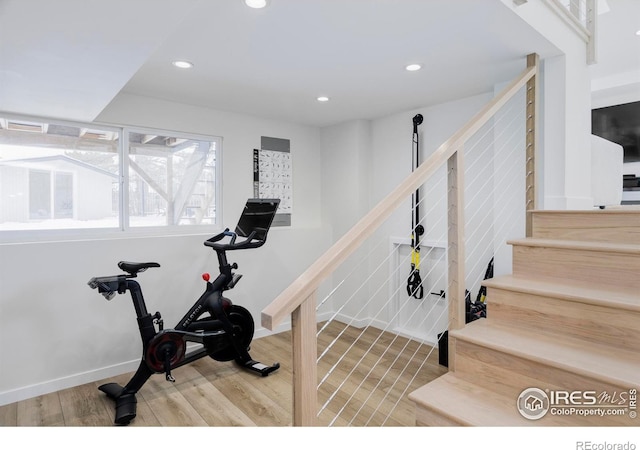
375,372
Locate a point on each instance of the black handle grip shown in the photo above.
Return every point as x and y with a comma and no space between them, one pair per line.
249,242
218,237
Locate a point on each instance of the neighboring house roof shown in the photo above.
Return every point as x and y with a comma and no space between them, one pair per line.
57,158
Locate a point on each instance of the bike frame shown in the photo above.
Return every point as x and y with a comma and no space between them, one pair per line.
224,334
211,332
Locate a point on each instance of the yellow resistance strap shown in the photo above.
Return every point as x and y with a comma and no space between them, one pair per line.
415,258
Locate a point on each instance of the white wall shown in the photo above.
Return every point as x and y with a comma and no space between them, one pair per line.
56,332
567,132
389,150
509,181
632,168
614,94
346,171
13,181
566,121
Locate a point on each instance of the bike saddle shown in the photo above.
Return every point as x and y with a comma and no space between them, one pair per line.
132,268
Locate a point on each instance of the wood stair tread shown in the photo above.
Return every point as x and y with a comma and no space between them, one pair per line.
577,245
470,404
626,209
466,403
608,211
601,362
580,294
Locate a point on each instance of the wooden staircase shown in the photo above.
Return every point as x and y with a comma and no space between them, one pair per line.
566,321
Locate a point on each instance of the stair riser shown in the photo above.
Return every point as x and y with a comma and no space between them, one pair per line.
602,226
451,403
432,417
509,375
611,270
427,417
593,323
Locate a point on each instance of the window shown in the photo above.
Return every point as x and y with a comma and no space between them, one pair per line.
61,176
172,180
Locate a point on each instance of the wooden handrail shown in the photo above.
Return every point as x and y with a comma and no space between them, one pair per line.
304,286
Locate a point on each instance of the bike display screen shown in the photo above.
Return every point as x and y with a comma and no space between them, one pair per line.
257,216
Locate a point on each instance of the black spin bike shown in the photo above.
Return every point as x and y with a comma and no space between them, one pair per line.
221,330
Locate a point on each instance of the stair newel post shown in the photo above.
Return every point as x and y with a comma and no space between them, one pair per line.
305,354
530,140
455,247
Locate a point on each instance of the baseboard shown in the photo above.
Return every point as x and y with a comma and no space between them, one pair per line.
47,387
262,332
70,381
384,326
424,338
359,323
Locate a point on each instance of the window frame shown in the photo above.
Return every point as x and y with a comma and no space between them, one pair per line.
123,229
124,187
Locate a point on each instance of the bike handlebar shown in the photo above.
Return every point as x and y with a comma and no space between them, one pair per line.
250,242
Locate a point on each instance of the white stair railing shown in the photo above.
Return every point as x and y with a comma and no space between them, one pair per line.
581,16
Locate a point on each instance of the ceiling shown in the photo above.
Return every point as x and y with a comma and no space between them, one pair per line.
69,58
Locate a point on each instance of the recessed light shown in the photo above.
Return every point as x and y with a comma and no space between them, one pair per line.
256,4
413,67
638,33
183,64
323,98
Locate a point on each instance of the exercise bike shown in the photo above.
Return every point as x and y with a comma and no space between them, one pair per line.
218,328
